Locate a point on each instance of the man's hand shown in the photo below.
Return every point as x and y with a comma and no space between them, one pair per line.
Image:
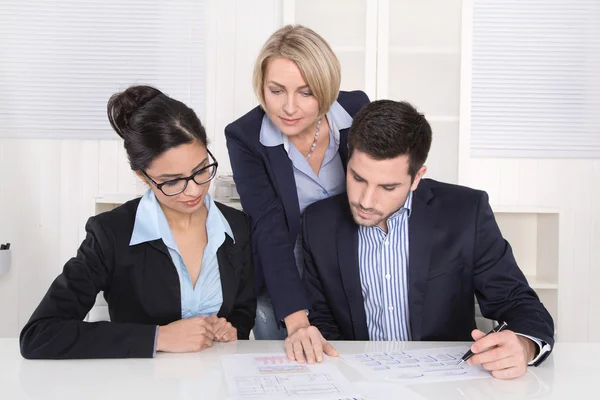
223,330
304,342
503,353
185,335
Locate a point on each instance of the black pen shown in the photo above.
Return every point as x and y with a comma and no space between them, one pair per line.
470,354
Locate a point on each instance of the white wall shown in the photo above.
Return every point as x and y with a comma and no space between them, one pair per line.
241,28
568,185
571,186
48,187
46,196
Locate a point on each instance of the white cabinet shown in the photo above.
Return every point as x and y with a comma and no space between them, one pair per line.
533,234
399,50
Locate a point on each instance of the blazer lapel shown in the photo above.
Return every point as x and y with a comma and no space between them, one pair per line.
229,268
347,250
168,276
422,234
284,175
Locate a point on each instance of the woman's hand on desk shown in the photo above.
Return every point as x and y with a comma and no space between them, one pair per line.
185,335
304,342
223,330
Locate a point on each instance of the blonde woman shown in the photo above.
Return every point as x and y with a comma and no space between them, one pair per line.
286,154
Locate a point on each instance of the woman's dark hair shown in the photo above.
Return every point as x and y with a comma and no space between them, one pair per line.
151,123
387,129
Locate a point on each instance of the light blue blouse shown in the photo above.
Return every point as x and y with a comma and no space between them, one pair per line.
206,297
311,187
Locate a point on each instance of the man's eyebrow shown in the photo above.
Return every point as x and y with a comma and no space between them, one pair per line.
381,184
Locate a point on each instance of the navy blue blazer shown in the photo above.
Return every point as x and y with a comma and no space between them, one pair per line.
264,178
456,252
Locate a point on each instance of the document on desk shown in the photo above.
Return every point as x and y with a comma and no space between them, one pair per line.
273,376
416,366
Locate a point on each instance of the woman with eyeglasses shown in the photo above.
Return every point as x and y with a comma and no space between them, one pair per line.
175,267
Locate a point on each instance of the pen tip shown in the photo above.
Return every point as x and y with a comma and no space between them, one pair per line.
460,362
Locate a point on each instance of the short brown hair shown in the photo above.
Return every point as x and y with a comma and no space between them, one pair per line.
387,129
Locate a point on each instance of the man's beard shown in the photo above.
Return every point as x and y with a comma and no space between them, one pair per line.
361,221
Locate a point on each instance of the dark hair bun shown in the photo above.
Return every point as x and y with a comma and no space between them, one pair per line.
150,122
121,106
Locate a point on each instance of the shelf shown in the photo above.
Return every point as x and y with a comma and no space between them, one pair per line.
117,198
233,204
540,283
110,202
523,210
533,233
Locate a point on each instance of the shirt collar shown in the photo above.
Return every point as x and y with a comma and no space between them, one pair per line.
407,206
271,136
215,221
151,223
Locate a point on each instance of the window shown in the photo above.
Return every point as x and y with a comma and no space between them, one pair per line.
61,60
535,81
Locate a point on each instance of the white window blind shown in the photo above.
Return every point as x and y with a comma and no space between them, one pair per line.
61,60
535,89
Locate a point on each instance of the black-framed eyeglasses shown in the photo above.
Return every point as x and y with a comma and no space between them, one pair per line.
175,186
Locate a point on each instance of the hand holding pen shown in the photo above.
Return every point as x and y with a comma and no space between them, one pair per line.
502,352
470,354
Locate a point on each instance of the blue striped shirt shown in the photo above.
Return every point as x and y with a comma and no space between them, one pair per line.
383,264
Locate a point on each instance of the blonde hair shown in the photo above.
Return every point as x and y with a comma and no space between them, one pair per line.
317,63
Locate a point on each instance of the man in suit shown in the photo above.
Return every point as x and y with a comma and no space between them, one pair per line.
400,257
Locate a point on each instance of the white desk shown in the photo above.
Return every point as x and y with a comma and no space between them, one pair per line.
571,372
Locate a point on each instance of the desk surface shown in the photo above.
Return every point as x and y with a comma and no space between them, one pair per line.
572,371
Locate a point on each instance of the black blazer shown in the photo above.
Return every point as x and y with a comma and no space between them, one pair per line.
264,178
141,287
456,252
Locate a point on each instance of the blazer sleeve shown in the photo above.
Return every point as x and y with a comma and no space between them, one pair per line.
320,314
56,329
270,236
244,309
501,288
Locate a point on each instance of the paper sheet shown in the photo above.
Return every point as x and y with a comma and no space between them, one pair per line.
416,366
273,376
